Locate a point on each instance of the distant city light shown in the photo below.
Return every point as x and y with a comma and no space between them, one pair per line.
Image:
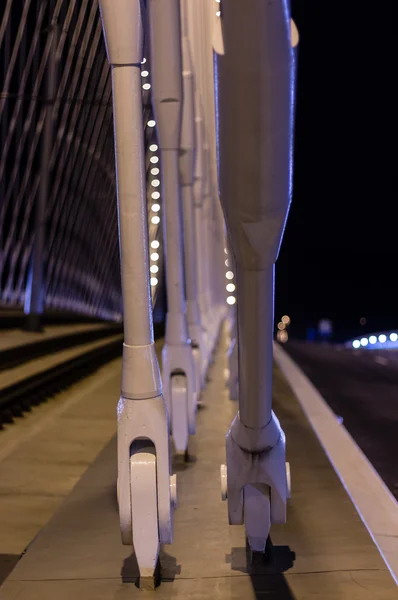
154,160
372,339
153,147
229,275
155,171
393,337
230,287
364,341
154,281
231,300
144,73
154,269
286,319
154,256
155,244
155,207
356,344
282,336
155,220
151,123
382,338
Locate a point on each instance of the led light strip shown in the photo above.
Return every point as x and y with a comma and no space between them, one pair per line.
155,208
230,286
154,186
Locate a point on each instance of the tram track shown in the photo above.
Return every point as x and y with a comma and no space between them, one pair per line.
20,354
18,397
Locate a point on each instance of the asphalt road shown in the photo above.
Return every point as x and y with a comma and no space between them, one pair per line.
362,387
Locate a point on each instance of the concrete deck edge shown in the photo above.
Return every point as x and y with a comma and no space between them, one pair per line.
362,483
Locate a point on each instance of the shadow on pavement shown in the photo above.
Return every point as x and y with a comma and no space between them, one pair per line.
7,563
167,571
265,571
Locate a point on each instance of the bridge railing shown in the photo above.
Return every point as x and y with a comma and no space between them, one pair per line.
58,214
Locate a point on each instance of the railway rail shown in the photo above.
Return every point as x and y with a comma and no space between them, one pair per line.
17,397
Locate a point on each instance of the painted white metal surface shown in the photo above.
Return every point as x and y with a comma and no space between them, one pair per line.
143,490
200,225
255,59
233,363
176,362
145,506
256,458
179,413
200,22
257,515
187,166
233,369
165,38
144,420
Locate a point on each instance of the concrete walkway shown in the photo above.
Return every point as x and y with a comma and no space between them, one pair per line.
44,454
79,554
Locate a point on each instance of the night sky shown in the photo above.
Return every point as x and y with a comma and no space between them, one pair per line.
340,253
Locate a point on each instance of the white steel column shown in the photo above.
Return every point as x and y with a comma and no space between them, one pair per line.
198,193
145,488
187,161
255,84
206,182
177,357
206,17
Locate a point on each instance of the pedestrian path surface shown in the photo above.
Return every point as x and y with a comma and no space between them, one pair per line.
324,551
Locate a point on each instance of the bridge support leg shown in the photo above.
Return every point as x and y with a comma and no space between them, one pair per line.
202,250
177,357
146,490
186,164
255,70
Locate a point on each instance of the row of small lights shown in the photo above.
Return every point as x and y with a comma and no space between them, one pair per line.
284,322
144,74
282,334
230,287
155,194
155,208
373,339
